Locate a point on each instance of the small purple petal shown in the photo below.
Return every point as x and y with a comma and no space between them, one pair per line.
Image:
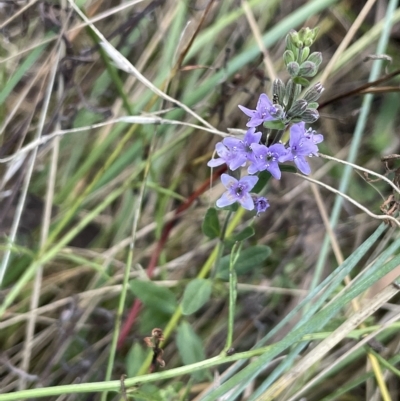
238,161
231,142
215,162
237,191
250,181
302,165
317,138
247,202
263,101
255,122
225,200
227,180
261,204
252,137
265,111
247,111
298,128
273,168
286,157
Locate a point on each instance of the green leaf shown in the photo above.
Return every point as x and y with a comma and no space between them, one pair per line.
263,179
274,125
301,81
147,392
190,347
248,260
211,227
136,357
196,294
150,318
231,208
154,296
287,168
313,105
244,234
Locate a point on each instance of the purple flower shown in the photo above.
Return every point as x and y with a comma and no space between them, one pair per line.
313,136
235,152
261,204
300,146
242,148
237,191
265,111
266,158
232,158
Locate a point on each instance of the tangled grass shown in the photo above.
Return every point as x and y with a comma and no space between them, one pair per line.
109,112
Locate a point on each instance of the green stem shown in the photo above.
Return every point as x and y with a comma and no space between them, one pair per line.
384,362
115,385
118,321
232,295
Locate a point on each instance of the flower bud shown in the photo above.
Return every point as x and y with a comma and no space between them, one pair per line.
304,33
295,39
278,113
298,108
307,35
314,33
313,93
291,46
308,69
278,88
293,69
310,116
315,58
313,105
304,54
288,57
292,91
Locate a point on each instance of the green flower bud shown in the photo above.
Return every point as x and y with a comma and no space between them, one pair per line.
315,33
313,93
298,108
315,58
278,88
310,116
292,91
288,57
295,39
313,105
304,33
307,35
304,54
291,47
308,69
293,69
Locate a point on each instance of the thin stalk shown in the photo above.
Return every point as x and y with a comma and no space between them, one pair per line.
232,295
115,385
118,320
384,362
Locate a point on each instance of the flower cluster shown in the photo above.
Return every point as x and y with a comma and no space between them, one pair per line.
261,148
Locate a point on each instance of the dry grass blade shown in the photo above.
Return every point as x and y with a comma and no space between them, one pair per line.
325,346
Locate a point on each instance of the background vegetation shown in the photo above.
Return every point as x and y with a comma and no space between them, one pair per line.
107,123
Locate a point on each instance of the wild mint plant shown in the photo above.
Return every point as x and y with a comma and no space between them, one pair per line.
277,131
